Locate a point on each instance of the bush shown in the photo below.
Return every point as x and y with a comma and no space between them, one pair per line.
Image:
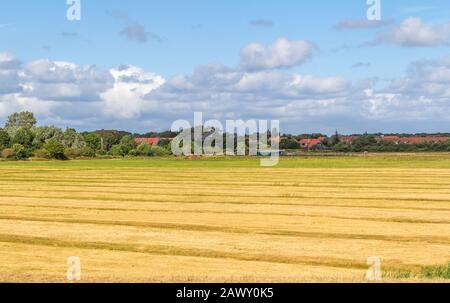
145,150
101,153
7,153
73,153
55,150
160,151
19,152
42,154
117,150
133,153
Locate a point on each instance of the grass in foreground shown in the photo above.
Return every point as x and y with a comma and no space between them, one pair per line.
226,219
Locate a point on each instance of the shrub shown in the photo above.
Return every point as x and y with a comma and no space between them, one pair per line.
145,150
7,153
42,154
160,151
19,152
73,153
117,150
133,153
55,149
101,153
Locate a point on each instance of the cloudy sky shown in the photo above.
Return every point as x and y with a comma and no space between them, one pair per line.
316,66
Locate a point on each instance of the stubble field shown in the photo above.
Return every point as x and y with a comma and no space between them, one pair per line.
226,220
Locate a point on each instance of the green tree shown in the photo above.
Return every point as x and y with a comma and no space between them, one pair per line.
117,150
24,137
72,139
164,143
55,149
289,143
5,140
19,152
44,133
128,143
92,141
335,139
19,120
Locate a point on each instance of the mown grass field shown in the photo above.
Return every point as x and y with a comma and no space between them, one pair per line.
226,220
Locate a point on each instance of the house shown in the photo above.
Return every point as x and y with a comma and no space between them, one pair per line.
150,141
312,144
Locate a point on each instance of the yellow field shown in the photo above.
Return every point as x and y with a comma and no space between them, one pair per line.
225,220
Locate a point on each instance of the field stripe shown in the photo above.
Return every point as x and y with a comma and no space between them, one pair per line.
200,211
238,230
190,252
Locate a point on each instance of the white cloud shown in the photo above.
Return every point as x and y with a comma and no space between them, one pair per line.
9,73
63,81
125,99
131,98
412,32
282,53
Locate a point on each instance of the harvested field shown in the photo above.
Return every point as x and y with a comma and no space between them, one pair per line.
226,220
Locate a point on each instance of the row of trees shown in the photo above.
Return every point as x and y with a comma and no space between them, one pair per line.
20,138
366,142
370,143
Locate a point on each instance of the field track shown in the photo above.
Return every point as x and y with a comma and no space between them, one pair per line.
224,220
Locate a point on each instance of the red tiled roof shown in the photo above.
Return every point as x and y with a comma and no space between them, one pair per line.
150,141
310,143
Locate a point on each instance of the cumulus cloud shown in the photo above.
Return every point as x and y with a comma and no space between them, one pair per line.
125,99
131,98
282,53
64,81
412,32
422,94
9,73
427,79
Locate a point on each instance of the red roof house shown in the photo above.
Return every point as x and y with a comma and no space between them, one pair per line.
311,144
150,141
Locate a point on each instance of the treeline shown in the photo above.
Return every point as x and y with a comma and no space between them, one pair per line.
20,139
367,143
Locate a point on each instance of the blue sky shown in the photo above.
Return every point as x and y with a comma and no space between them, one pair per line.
187,49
